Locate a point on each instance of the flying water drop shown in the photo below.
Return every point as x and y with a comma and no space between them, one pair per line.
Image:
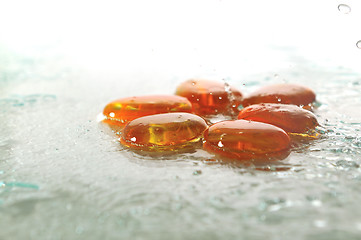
358,44
343,8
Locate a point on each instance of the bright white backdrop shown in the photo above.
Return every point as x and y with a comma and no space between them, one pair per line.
184,36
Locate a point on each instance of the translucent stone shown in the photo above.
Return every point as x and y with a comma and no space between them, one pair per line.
123,110
163,132
246,140
285,93
290,118
210,97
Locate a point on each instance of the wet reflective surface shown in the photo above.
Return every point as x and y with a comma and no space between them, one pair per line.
69,166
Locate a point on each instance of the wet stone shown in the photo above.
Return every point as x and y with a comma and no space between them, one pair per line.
290,118
123,110
164,132
210,97
247,140
282,93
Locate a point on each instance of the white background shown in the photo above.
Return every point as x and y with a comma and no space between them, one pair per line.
179,36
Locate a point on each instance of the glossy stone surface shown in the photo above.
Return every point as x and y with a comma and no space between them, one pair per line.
246,140
285,93
163,132
210,97
123,110
290,118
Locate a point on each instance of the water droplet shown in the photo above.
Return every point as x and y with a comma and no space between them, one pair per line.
227,87
320,223
358,44
343,8
347,164
316,203
79,230
220,98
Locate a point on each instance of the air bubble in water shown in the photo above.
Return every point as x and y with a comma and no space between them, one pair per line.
344,8
358,44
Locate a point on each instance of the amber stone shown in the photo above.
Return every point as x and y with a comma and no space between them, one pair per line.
290,118
285,93
246,140
163,132
120,111
210,97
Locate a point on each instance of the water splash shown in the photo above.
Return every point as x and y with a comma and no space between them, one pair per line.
229,92
344,8
227,88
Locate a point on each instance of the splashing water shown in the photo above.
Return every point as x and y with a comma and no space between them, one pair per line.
229,92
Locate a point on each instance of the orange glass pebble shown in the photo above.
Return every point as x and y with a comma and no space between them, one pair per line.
163,132
123,110
290,118
246,140
210,97
282,93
